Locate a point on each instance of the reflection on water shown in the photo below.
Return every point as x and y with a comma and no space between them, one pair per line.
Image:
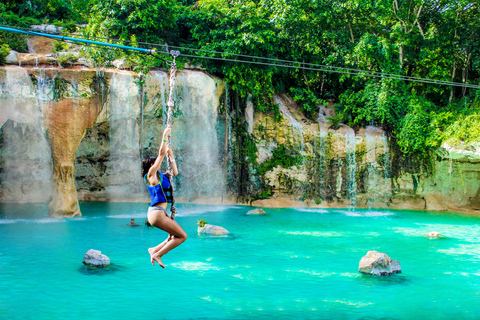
96,271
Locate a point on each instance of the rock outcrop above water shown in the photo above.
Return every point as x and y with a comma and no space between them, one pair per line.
434,235
256,212
379,264
95,258
212,229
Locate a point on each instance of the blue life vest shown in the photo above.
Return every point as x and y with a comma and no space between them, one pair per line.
160,193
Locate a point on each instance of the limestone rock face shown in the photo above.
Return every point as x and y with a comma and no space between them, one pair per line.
212,229
98,136
41,45
34,59
378,263
256,211
66,123
25,158
11,58
96,258
435,202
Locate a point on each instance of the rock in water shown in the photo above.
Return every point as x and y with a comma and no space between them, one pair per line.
378,263
256,211
434,235
211,229
96,258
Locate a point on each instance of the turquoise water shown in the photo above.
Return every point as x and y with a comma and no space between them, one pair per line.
289,264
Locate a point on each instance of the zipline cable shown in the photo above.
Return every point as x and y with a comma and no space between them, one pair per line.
63,38
429,81
299,65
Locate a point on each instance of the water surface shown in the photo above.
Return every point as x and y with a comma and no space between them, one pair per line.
290,263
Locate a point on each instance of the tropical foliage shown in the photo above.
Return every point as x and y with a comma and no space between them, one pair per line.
416,39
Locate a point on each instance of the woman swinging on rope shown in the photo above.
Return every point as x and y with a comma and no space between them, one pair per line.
159,187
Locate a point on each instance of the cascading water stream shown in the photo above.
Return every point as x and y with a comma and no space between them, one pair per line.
352,167
321,117
195,139
26,157
124,170
377,181
320,146
387,163
296,127
371,165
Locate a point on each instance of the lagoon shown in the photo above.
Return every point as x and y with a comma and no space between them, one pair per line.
291,263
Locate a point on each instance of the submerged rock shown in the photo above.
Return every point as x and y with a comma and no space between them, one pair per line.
434,235
211,229
96,258
378,263
256,211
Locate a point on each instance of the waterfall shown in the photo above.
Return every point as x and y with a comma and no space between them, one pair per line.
249,115
321,116
352,167
377,181
320,149
124,169
195,140
296,127
44,93
26,158
198,141
387,163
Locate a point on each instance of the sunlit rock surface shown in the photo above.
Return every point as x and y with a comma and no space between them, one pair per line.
11,58
434,235
379,264
212,229
66,121
256,212
95,258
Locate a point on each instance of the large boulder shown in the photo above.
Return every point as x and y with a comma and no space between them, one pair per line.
95,258
256,211
378,263
211,229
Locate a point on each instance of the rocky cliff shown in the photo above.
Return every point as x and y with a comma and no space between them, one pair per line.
80,134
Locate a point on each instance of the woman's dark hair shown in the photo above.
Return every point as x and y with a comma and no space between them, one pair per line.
146,164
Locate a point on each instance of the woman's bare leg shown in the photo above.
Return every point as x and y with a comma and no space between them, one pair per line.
163,222
154,250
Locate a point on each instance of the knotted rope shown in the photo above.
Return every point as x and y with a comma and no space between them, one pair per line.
170,105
